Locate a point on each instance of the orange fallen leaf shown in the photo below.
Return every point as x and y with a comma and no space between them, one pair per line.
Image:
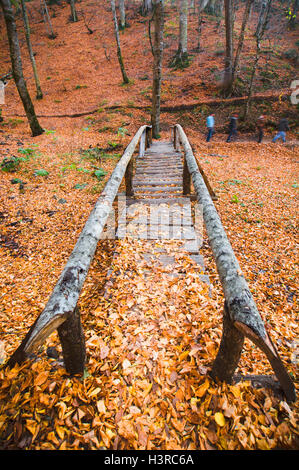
41,378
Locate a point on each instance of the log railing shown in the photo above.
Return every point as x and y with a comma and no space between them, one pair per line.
61,311
241,316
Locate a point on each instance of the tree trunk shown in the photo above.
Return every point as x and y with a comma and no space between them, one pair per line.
253,71
39,94
147,7
229,49
241,38
119,54
219,9
201,5
199,23
261,30
122,14
157,70
73,11
183,40
261,18
47,18
17,70
181,56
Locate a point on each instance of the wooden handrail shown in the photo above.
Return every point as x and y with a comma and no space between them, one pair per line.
61,306
243,318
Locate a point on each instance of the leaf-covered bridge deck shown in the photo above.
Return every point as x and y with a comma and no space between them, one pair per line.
158,209
149,378
162,174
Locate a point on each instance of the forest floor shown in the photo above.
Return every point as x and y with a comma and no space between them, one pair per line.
146,384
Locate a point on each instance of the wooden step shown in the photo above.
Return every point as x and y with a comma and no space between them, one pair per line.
156,182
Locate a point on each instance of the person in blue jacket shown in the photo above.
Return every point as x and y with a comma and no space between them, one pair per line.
210,126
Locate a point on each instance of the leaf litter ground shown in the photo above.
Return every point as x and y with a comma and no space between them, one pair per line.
151,339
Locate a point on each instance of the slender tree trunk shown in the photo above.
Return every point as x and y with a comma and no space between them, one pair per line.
181,56
147,7
119,54
183,42
201,5
157,71
219,9
39,94
261,18
247,11
253,72
17,70
73,11
259,38
229,49
47,18
199,24
122,14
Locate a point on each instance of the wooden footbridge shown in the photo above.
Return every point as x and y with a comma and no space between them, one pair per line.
157,205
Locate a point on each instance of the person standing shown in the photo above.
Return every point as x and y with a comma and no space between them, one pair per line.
260,128
210,126
232,127
283,127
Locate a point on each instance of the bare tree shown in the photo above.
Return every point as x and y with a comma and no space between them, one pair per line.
122,14
39,93
229,47
261,19
157,68
17,69
247,11
181,57
119,54
47,19
147,7
201,5
74,14
87,21
259,36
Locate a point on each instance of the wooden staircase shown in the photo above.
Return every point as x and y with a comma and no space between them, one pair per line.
158,210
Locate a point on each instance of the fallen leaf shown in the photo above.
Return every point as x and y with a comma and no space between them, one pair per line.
220,419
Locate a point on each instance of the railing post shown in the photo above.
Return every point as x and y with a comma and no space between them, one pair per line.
142,144
72,341
148,141
128,178
186,178
174,136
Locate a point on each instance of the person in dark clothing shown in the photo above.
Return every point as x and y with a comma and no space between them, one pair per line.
283,127
260,128
232,127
